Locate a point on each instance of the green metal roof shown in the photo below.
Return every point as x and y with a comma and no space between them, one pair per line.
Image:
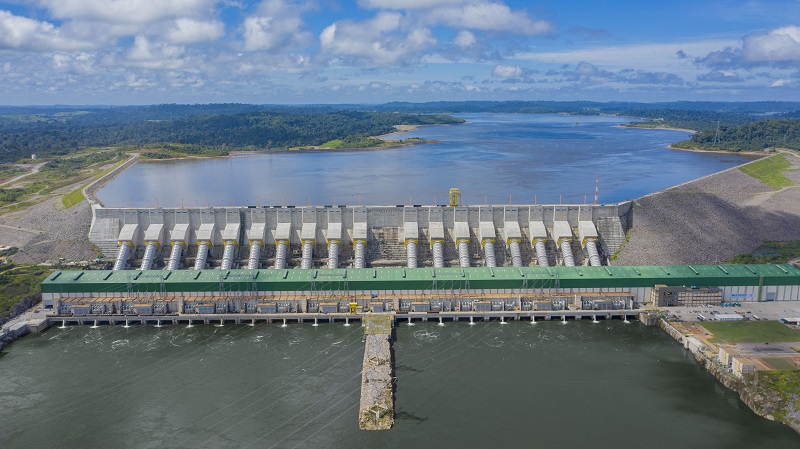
374,279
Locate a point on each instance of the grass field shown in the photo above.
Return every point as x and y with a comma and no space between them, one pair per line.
74,197
780,364
769,171
751,332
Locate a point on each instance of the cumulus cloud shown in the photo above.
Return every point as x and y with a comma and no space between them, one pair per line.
489,17
776,47
189,31
276,24
408,4
155,55
471,14
126,11
507,71
781,45
465,39
22,33
379,40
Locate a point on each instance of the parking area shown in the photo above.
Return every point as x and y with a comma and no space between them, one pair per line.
749,310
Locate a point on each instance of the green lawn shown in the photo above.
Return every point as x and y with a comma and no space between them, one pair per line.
780,364
751,332
769,171
74,197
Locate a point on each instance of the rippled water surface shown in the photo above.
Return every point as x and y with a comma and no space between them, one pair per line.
498,158
549,385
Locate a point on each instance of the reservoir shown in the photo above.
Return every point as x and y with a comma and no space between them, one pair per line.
548,385
498,158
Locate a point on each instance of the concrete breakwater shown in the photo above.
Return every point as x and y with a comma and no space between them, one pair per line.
376,408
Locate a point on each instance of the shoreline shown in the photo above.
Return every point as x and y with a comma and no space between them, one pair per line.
296,151
662,128
749,395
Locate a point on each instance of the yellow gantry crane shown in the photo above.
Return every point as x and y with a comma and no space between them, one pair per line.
455,197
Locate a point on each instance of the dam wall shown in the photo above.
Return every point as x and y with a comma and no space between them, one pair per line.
379,234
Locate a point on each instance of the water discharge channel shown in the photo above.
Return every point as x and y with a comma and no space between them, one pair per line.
548,385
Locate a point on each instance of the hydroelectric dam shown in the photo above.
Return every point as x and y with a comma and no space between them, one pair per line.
379,265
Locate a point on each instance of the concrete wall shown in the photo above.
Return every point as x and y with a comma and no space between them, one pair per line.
385,229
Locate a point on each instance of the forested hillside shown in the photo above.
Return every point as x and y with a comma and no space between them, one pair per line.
774,133
58,132
219,128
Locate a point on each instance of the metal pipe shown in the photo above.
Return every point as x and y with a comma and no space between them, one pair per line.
227,255
566,253
333,254
280,254
488,254
411,253
541,253
438,254
516,253
594,256
149,255
360,254
255,255
202,255
463,253
308,254
123,255
175,256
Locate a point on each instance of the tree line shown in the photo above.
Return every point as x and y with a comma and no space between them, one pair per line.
222,127
772,133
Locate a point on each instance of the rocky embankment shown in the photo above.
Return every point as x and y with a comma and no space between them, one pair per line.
759,398
711,220
47,232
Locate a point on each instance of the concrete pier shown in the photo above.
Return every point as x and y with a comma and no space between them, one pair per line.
376,409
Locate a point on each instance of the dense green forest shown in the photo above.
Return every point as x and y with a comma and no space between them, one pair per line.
215,129
222,127
772,133
680,114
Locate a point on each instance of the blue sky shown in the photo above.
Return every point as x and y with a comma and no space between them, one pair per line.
375,51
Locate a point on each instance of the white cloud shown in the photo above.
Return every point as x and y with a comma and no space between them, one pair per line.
408,4
127,11
379,40
782,83
779,45
189,31
488,16
153,55
655,56
465,39
276,25
507,71
22,33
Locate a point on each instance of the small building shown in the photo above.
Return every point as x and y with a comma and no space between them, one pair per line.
328,307
729,317
742,366
726,355
33,156
694,345
793,321
666,296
